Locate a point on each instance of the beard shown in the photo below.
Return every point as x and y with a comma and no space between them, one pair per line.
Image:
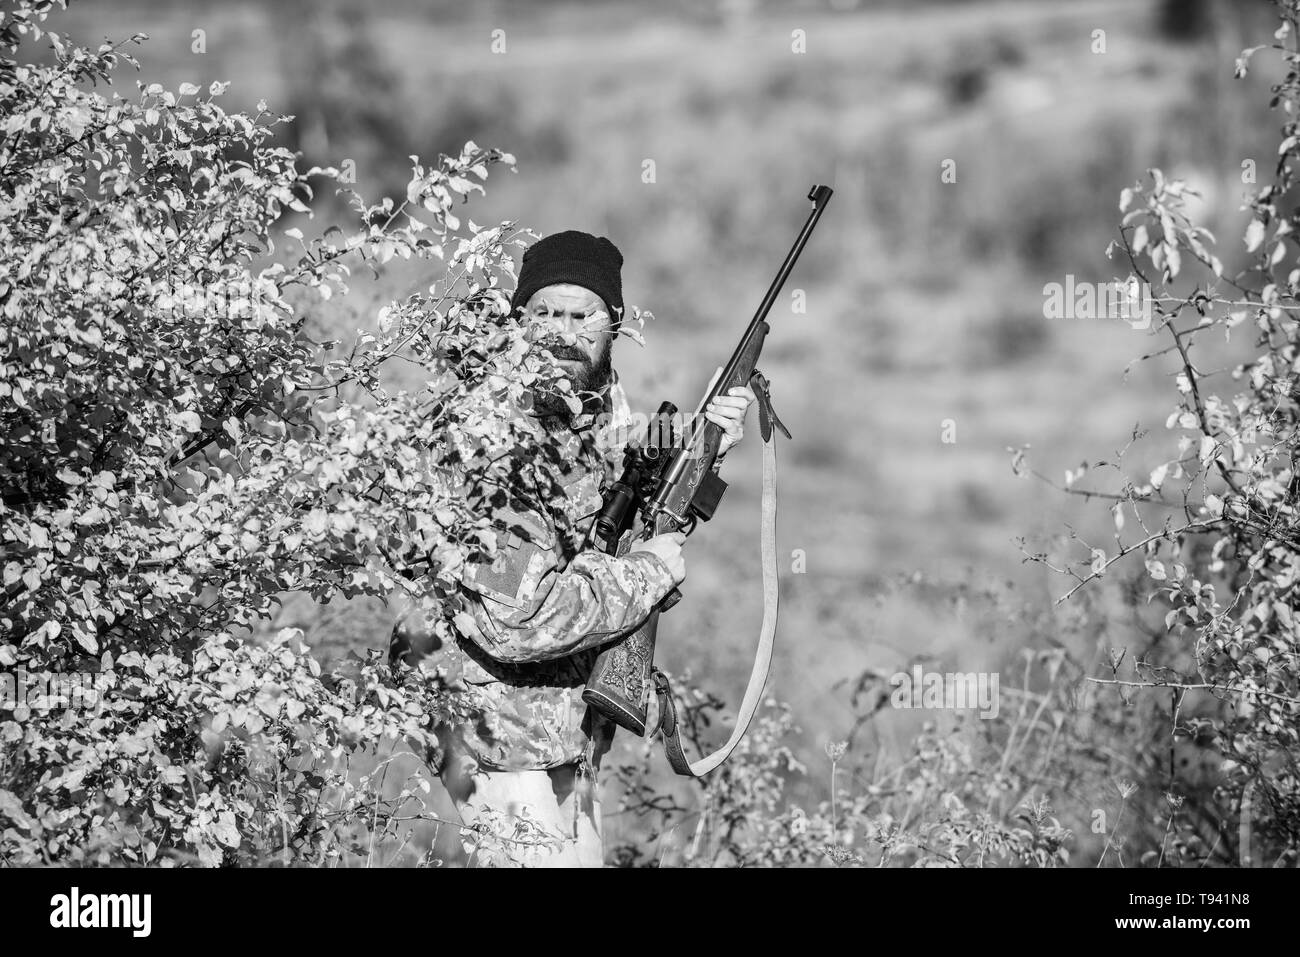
590,375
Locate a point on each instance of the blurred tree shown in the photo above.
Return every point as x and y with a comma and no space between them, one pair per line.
343,92
1184,19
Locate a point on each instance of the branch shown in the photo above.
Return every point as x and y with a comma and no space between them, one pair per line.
1205,686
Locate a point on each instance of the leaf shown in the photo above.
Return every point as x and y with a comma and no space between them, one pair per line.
1243,62
12,808
1173,258
87,640
187,420
225,830
1254,235
316,521
1139,239
1208,445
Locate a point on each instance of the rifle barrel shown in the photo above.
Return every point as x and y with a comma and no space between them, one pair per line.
820,196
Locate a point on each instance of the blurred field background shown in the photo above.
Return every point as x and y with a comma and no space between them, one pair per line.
924,299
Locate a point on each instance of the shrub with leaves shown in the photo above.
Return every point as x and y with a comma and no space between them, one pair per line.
1217,523
176,451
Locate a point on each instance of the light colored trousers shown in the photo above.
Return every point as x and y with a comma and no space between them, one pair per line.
561,801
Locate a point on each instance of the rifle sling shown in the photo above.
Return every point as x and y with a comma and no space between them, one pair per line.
767,631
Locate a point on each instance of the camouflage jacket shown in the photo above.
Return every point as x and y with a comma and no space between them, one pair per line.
542,610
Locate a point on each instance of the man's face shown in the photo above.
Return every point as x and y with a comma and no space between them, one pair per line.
587,361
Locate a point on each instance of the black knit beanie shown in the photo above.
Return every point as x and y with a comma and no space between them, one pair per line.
581,259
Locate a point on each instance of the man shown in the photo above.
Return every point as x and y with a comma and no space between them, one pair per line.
545,608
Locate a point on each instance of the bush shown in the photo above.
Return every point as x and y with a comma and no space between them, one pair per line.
177,452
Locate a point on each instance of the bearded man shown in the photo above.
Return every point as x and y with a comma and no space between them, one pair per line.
547,605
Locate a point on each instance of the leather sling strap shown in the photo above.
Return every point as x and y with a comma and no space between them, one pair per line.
767,631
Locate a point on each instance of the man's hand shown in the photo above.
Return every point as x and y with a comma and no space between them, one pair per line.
668,548
728,412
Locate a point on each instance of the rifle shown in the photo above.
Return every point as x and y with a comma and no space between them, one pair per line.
670,483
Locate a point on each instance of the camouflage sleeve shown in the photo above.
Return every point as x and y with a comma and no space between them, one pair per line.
596,598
